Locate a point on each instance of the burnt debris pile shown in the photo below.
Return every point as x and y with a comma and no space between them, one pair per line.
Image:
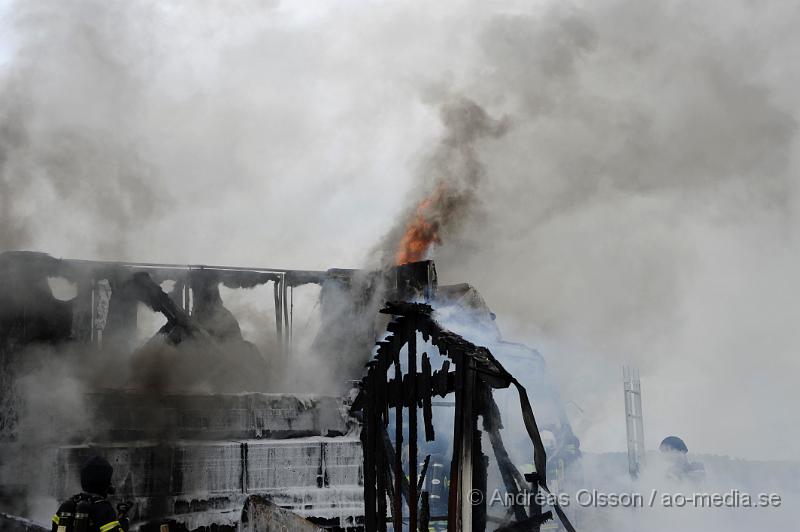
203,424
397,391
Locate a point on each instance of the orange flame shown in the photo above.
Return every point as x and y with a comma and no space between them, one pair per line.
422,230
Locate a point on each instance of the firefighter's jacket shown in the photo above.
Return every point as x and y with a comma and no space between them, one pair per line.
101,516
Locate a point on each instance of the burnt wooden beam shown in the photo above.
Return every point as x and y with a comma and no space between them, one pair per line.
427,411
412,425
469,419
440,380
423,473
535,510
448,380
392,455
512,478
477,372
479,480
397,391
278,293
142,286
425,512
453,499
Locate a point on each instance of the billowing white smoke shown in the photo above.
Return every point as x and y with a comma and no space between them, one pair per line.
641,207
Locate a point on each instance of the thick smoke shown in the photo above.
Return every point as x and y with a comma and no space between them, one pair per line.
642,208
70,134
449,182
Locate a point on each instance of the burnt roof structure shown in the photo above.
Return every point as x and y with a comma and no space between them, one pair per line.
196,451
476,373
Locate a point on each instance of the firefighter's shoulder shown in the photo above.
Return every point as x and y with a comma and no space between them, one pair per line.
64,514
104,516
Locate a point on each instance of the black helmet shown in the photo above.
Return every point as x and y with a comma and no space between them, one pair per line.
673,444
96,476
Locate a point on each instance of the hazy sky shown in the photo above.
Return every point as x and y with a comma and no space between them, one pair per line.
641,208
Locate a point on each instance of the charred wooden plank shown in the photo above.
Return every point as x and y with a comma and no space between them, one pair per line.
512,478
397,506
427,411
469,418
508,472
453,500
479,479
475,366
409,389
392,455
423,473
413,434
441,381
422,393
425,512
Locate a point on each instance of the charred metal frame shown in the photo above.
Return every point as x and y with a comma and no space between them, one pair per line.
284,282
476,373
142,280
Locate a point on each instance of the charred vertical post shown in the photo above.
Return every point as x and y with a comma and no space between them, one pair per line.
476,374
469,421
412,423
93,334
83,311
535,508
479,466
461,469
397,506
427,391
187,296
284,302
186,292
278,310
425,512
290,323
244,456
454,497
285,305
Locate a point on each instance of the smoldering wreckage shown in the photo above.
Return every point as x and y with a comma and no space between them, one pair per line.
222,455
198,443
390,414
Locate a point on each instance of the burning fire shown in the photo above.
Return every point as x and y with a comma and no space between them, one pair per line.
422,230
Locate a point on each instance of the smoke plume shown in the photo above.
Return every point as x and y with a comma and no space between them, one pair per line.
449,179
641,210
70,132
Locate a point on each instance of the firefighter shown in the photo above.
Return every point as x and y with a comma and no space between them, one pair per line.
675,453
89,511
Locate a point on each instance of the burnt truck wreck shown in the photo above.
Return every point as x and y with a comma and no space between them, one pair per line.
208,430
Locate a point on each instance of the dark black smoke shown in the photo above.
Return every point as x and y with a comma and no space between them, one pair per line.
447,184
